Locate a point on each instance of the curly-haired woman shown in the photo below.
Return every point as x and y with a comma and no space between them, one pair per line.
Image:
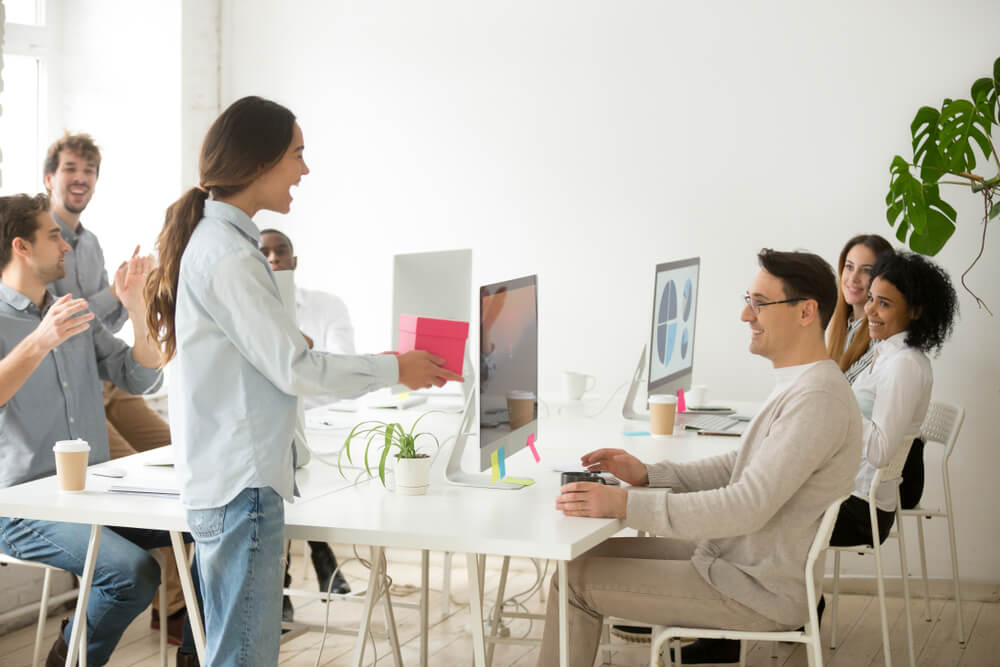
911,310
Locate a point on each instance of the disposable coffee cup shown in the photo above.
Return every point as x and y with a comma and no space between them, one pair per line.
520,408
662,410
71,464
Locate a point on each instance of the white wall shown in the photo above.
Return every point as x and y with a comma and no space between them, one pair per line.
587,140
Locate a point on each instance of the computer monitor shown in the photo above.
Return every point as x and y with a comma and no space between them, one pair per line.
433,284
508,379
671,337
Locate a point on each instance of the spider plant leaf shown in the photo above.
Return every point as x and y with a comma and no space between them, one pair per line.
385,454
429,412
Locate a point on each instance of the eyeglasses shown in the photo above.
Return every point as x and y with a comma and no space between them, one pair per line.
756,305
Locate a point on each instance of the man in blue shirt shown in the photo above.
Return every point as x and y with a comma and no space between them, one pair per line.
52,358
71,169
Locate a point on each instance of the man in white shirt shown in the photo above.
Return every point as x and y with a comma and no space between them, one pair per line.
326,325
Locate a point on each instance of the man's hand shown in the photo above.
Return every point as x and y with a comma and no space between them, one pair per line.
593,499
130,280
419,370
619,463
59,323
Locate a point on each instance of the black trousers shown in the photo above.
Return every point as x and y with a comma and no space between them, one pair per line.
854,527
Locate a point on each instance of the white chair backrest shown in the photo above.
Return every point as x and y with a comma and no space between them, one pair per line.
822,539
942,424
894,469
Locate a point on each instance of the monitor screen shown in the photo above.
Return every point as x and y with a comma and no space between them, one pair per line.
508,366
675,307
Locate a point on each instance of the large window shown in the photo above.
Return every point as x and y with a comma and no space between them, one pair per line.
22,99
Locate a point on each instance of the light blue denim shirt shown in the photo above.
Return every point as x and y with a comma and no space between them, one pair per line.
241,364
61,399
86,276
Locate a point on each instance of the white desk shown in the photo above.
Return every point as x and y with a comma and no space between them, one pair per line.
449,518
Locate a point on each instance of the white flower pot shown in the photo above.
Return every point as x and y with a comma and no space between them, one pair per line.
412,476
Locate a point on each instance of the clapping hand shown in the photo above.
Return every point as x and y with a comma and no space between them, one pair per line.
62,322
130,280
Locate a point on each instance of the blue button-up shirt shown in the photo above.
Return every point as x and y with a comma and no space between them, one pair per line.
86,276
62,399
241,364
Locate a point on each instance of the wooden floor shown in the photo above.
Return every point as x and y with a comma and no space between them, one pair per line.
859,643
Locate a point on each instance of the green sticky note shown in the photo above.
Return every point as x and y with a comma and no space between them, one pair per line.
494,463
522,482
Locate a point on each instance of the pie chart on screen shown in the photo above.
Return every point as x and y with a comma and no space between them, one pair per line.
687,300
666,323
684,344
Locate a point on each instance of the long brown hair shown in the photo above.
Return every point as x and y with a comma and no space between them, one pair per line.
246,140
837,331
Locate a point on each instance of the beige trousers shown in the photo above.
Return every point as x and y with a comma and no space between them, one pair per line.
646,579
134,427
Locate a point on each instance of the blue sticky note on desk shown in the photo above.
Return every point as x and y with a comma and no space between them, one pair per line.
501,456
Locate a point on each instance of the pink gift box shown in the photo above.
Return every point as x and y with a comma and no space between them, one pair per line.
445,338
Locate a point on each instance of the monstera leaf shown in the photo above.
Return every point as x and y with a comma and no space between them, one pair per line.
962,122
944,143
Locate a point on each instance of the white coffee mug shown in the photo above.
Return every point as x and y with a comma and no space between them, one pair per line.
696,396
577,384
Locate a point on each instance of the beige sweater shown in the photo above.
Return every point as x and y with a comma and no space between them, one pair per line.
754,512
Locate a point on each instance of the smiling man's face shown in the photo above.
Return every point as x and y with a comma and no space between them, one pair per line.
72,184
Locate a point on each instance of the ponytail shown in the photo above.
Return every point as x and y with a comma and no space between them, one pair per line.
161,287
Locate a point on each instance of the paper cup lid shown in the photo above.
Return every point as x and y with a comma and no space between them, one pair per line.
521,394
71,446
663,399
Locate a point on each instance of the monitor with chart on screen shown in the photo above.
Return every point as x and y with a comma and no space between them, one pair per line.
672,333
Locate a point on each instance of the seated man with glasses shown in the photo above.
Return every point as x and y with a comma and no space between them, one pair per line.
733,531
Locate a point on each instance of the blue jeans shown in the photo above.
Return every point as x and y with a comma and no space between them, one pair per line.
125,577
240,546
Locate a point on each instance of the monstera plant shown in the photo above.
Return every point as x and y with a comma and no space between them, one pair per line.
944,153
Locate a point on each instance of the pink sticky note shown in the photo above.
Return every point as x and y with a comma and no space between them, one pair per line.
681,407
531,446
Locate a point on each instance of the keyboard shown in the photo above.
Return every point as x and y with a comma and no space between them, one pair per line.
711,423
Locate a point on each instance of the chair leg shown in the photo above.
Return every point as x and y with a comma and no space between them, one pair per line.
905,575
814,653
606,639
43,612
923,569
880,583
954,573
743,652
836,598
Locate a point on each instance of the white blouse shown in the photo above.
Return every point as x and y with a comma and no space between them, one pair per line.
893,394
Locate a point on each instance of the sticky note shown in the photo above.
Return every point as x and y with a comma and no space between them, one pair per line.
531,446
402,397
495,466
636,433
681,406
522,482
502,460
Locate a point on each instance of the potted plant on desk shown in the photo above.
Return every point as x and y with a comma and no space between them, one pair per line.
412,468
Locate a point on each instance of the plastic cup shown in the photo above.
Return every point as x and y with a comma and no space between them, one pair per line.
71,464
662,410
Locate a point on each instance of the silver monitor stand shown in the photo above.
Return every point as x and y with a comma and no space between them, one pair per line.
453,472
628,410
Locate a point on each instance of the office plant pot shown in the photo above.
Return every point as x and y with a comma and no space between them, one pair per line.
412,475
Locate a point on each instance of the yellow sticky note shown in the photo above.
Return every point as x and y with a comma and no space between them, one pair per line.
495,464
517,480
402,397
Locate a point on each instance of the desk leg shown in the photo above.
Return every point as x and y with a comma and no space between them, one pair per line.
497,610
425,557
476,609
390,622
374,582
563,615
190,599
77,637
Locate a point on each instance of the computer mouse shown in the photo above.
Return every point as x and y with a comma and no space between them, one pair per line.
109,471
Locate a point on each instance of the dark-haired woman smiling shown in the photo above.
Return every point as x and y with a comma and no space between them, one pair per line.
911,311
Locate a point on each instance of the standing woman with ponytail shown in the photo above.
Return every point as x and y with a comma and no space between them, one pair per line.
240,365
